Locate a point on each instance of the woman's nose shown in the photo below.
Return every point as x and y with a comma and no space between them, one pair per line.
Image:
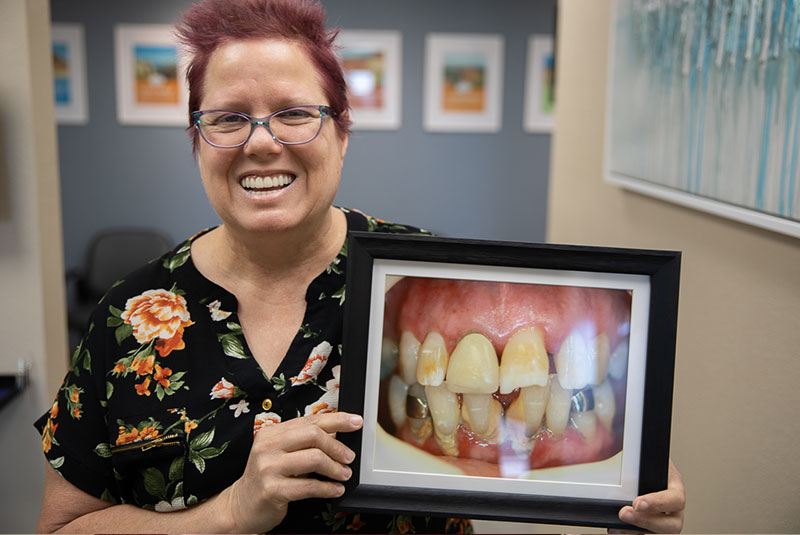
261,140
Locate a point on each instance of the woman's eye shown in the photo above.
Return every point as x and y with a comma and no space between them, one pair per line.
296,114
230,118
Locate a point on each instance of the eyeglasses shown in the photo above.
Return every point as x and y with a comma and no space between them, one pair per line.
289,126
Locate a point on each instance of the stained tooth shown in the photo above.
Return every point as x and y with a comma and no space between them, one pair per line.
524,361
473,367
586,423
420,427
397,400
444,409
604,404
582,358
483,414
558,404
389,352
529,407
618,361
433,358
409,351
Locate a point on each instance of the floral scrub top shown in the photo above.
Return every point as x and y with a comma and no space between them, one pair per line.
163,398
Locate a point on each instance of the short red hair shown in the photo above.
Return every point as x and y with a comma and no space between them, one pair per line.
211,23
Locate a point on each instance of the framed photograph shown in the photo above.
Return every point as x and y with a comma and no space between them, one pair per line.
372,63
463,82
539,85
69,74
706,119
151,85
507,381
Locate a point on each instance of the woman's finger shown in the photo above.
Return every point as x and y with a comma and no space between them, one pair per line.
291,438
655,522
671,500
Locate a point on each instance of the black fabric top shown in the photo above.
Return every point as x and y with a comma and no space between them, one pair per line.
164,364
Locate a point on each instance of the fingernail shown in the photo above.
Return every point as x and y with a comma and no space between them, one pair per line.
347,472
626,515
641,505
349,456
356,419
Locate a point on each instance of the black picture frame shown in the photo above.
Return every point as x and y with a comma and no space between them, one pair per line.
650,278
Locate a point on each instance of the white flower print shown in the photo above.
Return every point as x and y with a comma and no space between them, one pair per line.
316,361
176,505
329,402
240,407
216,313
265,419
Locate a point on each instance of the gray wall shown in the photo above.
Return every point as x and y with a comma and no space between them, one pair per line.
491,186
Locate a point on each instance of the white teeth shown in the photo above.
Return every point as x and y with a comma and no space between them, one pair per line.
260,182
524,361
444,409
618,361
483,414
529,407
582,358
586,423
389,353
433,359
473,367
409,352
604,404
558,405
397,401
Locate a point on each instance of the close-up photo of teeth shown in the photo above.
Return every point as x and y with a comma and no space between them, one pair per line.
500,379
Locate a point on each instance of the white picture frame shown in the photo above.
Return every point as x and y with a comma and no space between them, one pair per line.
70,88
372,64
156,94
539,106
473,101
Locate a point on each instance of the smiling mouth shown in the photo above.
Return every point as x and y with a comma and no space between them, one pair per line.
266,184
486,374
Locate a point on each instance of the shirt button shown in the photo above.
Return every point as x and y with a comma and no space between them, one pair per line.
266,404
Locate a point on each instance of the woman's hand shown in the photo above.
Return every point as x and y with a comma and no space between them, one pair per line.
659,512
280,461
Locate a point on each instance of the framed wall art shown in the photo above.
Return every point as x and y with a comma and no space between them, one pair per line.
463,82
703,107
507,381
70,89
539,85
372,64
150,78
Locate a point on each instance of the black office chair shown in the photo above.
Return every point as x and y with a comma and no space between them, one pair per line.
110,256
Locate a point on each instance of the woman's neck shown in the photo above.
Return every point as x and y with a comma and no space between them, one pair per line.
259,261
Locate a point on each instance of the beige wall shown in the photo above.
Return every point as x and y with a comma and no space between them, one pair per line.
32,323
736,419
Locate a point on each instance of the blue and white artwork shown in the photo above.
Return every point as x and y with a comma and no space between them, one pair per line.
704,106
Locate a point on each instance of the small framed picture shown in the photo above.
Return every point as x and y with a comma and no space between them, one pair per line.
463,82
69,74
372,63
151,85
539,85
507,381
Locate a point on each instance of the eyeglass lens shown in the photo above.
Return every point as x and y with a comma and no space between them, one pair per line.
230,129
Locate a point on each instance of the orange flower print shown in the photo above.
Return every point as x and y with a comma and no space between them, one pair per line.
265,419
143,389
216,313
47,439
329,402
316,361
222,390
74,395
54,410
158,314
143,365
356,523
119,369
76,412
162,376
189,425
403,524
135,435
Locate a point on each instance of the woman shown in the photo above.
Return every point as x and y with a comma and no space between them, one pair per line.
207,383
